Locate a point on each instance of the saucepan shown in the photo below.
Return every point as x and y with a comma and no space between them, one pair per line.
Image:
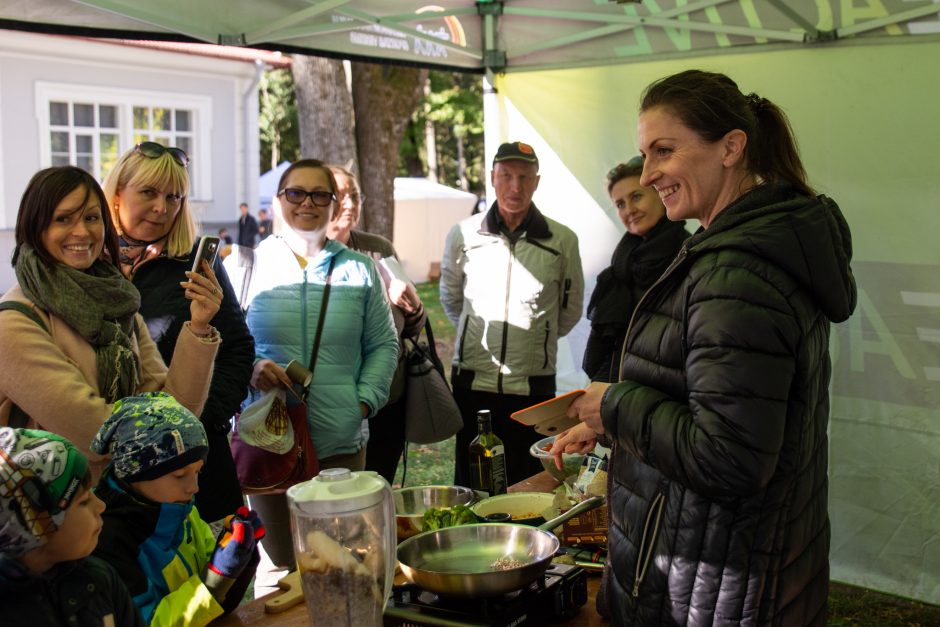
486,559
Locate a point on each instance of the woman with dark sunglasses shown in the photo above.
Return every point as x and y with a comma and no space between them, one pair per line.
284,295
70,334
147,191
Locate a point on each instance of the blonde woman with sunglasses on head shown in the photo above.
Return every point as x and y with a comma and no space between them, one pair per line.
72,340
147,191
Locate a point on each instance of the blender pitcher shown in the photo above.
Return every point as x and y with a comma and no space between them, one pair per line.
343,525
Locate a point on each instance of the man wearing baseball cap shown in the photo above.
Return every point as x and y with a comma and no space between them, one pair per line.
511,283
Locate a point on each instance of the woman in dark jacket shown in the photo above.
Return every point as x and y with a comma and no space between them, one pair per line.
147,191
645,250
718,488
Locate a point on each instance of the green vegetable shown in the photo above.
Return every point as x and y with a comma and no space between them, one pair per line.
440,517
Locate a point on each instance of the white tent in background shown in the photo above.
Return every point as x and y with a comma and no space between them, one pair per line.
424,213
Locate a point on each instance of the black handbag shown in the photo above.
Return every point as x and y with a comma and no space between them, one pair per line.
431,413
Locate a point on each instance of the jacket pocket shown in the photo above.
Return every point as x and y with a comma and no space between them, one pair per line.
654,518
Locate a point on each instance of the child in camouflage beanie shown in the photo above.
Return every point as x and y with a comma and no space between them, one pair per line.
49,525
176,570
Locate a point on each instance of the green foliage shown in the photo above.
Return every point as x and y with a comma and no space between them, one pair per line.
454,105
277,119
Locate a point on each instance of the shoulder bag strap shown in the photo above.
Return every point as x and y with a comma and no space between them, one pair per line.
18,417
24,309
316,339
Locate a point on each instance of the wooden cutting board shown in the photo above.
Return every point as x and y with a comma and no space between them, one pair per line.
292,595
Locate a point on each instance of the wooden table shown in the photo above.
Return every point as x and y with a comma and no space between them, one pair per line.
253,614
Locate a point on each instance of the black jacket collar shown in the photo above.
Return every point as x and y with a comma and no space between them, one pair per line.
535,226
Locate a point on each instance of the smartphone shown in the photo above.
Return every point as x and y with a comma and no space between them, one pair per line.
208,250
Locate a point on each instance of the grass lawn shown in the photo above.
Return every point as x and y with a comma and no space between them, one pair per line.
849,606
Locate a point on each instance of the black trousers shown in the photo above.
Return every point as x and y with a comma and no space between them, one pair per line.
517,438
386,440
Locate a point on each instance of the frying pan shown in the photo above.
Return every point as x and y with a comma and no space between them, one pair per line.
487,559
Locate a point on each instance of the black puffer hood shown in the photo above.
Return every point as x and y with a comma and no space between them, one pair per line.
806,237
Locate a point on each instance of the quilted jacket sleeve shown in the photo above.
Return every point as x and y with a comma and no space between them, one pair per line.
380,346
740,359
452,277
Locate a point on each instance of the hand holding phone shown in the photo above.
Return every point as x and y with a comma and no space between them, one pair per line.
208,250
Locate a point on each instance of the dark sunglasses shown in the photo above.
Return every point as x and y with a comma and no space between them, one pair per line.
296,196
153,150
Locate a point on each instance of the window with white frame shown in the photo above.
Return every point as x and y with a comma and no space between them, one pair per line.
91,127
167,126
84,134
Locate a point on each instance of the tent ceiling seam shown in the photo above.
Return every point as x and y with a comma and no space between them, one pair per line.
291,20
611,29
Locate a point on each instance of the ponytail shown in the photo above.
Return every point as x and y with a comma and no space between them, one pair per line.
712,105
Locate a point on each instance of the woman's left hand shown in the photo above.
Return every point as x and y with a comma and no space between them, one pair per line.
205,292
587,407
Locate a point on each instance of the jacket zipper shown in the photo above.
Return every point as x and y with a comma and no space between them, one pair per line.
502,350
303,312
648,541
548,330
680,257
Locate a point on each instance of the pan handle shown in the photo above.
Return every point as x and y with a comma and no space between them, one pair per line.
580,508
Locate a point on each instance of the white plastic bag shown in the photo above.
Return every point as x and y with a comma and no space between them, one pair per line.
265,423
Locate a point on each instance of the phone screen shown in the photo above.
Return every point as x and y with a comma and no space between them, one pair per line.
208,249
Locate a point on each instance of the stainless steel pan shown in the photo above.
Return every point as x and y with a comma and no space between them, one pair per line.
483,560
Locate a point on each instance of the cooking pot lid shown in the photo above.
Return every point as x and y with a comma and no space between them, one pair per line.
339,490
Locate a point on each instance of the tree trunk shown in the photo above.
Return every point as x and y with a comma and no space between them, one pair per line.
324,111
384,98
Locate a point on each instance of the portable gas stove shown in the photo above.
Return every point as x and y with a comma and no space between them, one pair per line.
553,597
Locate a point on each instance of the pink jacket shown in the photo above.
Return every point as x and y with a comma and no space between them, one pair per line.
53,377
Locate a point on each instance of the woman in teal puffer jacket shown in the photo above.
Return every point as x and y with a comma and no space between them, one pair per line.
359,345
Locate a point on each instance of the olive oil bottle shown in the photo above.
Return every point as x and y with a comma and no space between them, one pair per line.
487,459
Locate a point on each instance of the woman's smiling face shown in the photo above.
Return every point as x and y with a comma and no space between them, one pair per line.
307,216
75,235
639,207
687,172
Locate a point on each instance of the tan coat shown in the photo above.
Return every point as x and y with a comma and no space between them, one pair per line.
53,377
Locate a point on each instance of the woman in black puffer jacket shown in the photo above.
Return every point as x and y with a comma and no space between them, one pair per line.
718,492
645,250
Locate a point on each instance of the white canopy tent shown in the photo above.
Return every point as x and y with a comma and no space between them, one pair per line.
860,82
424,213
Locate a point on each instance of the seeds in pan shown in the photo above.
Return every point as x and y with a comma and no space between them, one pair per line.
506,563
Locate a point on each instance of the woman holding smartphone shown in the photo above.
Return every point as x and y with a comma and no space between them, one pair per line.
70,334
147,193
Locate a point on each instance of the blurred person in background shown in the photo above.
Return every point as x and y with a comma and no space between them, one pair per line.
387,427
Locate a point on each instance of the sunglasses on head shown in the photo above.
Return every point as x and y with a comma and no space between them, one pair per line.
296,196
153,150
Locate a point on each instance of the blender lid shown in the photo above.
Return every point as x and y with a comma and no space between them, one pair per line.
338,490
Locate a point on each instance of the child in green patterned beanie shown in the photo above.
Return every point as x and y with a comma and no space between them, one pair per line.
176,570
49,525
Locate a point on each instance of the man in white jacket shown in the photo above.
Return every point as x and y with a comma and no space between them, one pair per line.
511,283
